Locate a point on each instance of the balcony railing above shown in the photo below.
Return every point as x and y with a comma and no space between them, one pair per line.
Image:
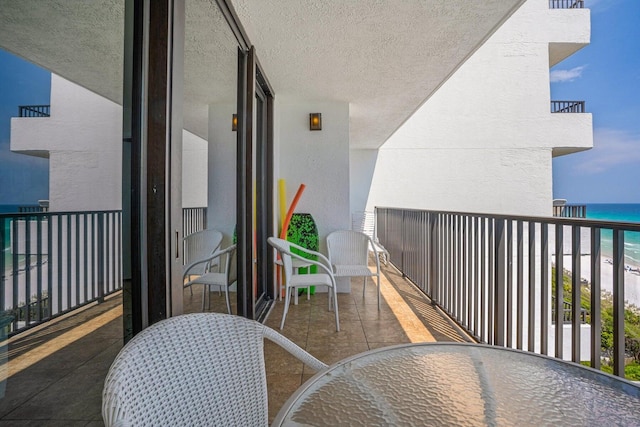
566,4
34,111
570,211
567,107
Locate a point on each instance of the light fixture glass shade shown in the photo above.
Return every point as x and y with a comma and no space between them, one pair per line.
234,123
315,121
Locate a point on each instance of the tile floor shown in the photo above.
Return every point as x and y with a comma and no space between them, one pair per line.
55,373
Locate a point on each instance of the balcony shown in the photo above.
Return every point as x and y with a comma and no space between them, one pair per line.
56,371
566,4
459,277
568,107
34,111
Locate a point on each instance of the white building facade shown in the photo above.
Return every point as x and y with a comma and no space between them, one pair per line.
484,141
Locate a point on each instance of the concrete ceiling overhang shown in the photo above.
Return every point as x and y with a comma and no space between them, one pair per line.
385,58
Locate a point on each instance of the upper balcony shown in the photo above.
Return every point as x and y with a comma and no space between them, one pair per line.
572,127
570,28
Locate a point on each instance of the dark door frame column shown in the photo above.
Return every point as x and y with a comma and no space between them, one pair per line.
152,158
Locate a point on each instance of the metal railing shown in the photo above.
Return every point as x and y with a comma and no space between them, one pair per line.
193,220
34,111
492,274
55,262
566,4
568,106
567,312
570,211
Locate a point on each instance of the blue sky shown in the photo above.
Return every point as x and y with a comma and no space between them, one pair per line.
605,74
23,179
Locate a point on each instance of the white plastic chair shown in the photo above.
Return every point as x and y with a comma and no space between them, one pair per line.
365,222
221,278
348,254
197,246
295,281
195,369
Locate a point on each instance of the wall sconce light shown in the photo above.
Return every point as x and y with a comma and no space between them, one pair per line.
234,123
315,121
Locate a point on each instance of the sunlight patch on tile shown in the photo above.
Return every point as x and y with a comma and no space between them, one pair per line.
409,322
32,357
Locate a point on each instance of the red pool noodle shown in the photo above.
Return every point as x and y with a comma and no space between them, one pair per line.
287,220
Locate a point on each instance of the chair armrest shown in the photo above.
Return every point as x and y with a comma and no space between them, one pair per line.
322,261
216,254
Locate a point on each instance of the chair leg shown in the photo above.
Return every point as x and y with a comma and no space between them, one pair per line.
287,299
378,283
226,292
364,286
204,295
335,307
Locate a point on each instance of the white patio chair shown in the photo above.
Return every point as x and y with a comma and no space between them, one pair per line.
195,369
365,222
221,278
295,281
197,246
348,254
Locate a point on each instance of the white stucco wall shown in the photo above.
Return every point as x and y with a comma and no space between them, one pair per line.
194,170
83,139
221,193
318,159
484,141
83,136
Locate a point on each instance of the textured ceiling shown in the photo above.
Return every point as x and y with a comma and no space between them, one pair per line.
384,57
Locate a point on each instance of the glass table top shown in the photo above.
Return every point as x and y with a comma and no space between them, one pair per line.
460,384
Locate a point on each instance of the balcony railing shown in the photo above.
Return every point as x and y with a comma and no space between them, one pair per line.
193,219
495,275
55,262
567,107
34,111
566,4
570,211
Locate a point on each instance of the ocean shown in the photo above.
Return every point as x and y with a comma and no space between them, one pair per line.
623,212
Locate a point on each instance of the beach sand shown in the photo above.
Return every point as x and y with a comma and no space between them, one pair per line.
631,277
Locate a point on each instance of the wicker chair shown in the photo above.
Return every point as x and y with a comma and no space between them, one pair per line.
348,254
295,281
197,246
222,278
194,369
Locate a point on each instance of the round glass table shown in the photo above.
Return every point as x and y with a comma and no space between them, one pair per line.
460,384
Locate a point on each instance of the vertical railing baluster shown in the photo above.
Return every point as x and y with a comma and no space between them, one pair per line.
509,283
491,283
85,262
576,304
15,268
76,217
532,287
27,269
101,255
618,302
68,240
464,315
559,292
476,277
500,283
520,285
596,306
544,288
3,274
483,281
